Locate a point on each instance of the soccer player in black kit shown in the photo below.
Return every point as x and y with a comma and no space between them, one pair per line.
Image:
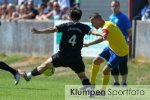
14,72
69,54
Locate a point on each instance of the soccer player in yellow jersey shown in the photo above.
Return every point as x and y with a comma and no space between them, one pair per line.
115,53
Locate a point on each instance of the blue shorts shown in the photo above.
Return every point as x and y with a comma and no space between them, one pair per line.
112,59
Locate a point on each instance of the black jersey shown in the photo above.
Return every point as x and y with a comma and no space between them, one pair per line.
72,37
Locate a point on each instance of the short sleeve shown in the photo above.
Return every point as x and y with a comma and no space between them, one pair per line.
87,29
61,27
126,23
105,27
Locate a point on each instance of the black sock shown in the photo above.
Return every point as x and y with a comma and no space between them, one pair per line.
86,82
5,67
35,72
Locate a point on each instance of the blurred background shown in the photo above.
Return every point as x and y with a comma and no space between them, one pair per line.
18,15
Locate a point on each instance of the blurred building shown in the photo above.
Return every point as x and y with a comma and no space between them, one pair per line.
8,1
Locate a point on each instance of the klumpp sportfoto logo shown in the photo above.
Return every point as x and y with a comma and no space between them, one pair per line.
86,92
130,92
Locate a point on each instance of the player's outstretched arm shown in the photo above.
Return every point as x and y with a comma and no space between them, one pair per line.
93,42
46,30
94,32
101,39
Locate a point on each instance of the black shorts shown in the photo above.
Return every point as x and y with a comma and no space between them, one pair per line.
73,62
122,68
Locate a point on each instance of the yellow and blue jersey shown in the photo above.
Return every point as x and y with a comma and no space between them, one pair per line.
115,38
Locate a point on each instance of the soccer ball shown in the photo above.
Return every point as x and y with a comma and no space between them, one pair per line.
49,71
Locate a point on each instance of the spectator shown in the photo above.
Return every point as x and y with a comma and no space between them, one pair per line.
4,11
26,6
56,13
64,6
22,11
49,6
122,21
15,14
31,12
145,13
10,10
41,8
0,11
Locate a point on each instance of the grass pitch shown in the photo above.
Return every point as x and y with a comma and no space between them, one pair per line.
53,88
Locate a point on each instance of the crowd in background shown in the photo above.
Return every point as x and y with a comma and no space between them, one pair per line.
49,9
53,9
145,12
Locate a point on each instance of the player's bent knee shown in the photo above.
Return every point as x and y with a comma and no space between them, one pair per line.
98,61
107,71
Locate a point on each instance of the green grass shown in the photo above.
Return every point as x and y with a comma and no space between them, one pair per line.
10,59
53,88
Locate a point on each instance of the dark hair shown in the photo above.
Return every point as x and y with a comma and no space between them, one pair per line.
75,13
95,16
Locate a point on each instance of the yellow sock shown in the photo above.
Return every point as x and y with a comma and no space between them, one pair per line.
94,71
105,81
